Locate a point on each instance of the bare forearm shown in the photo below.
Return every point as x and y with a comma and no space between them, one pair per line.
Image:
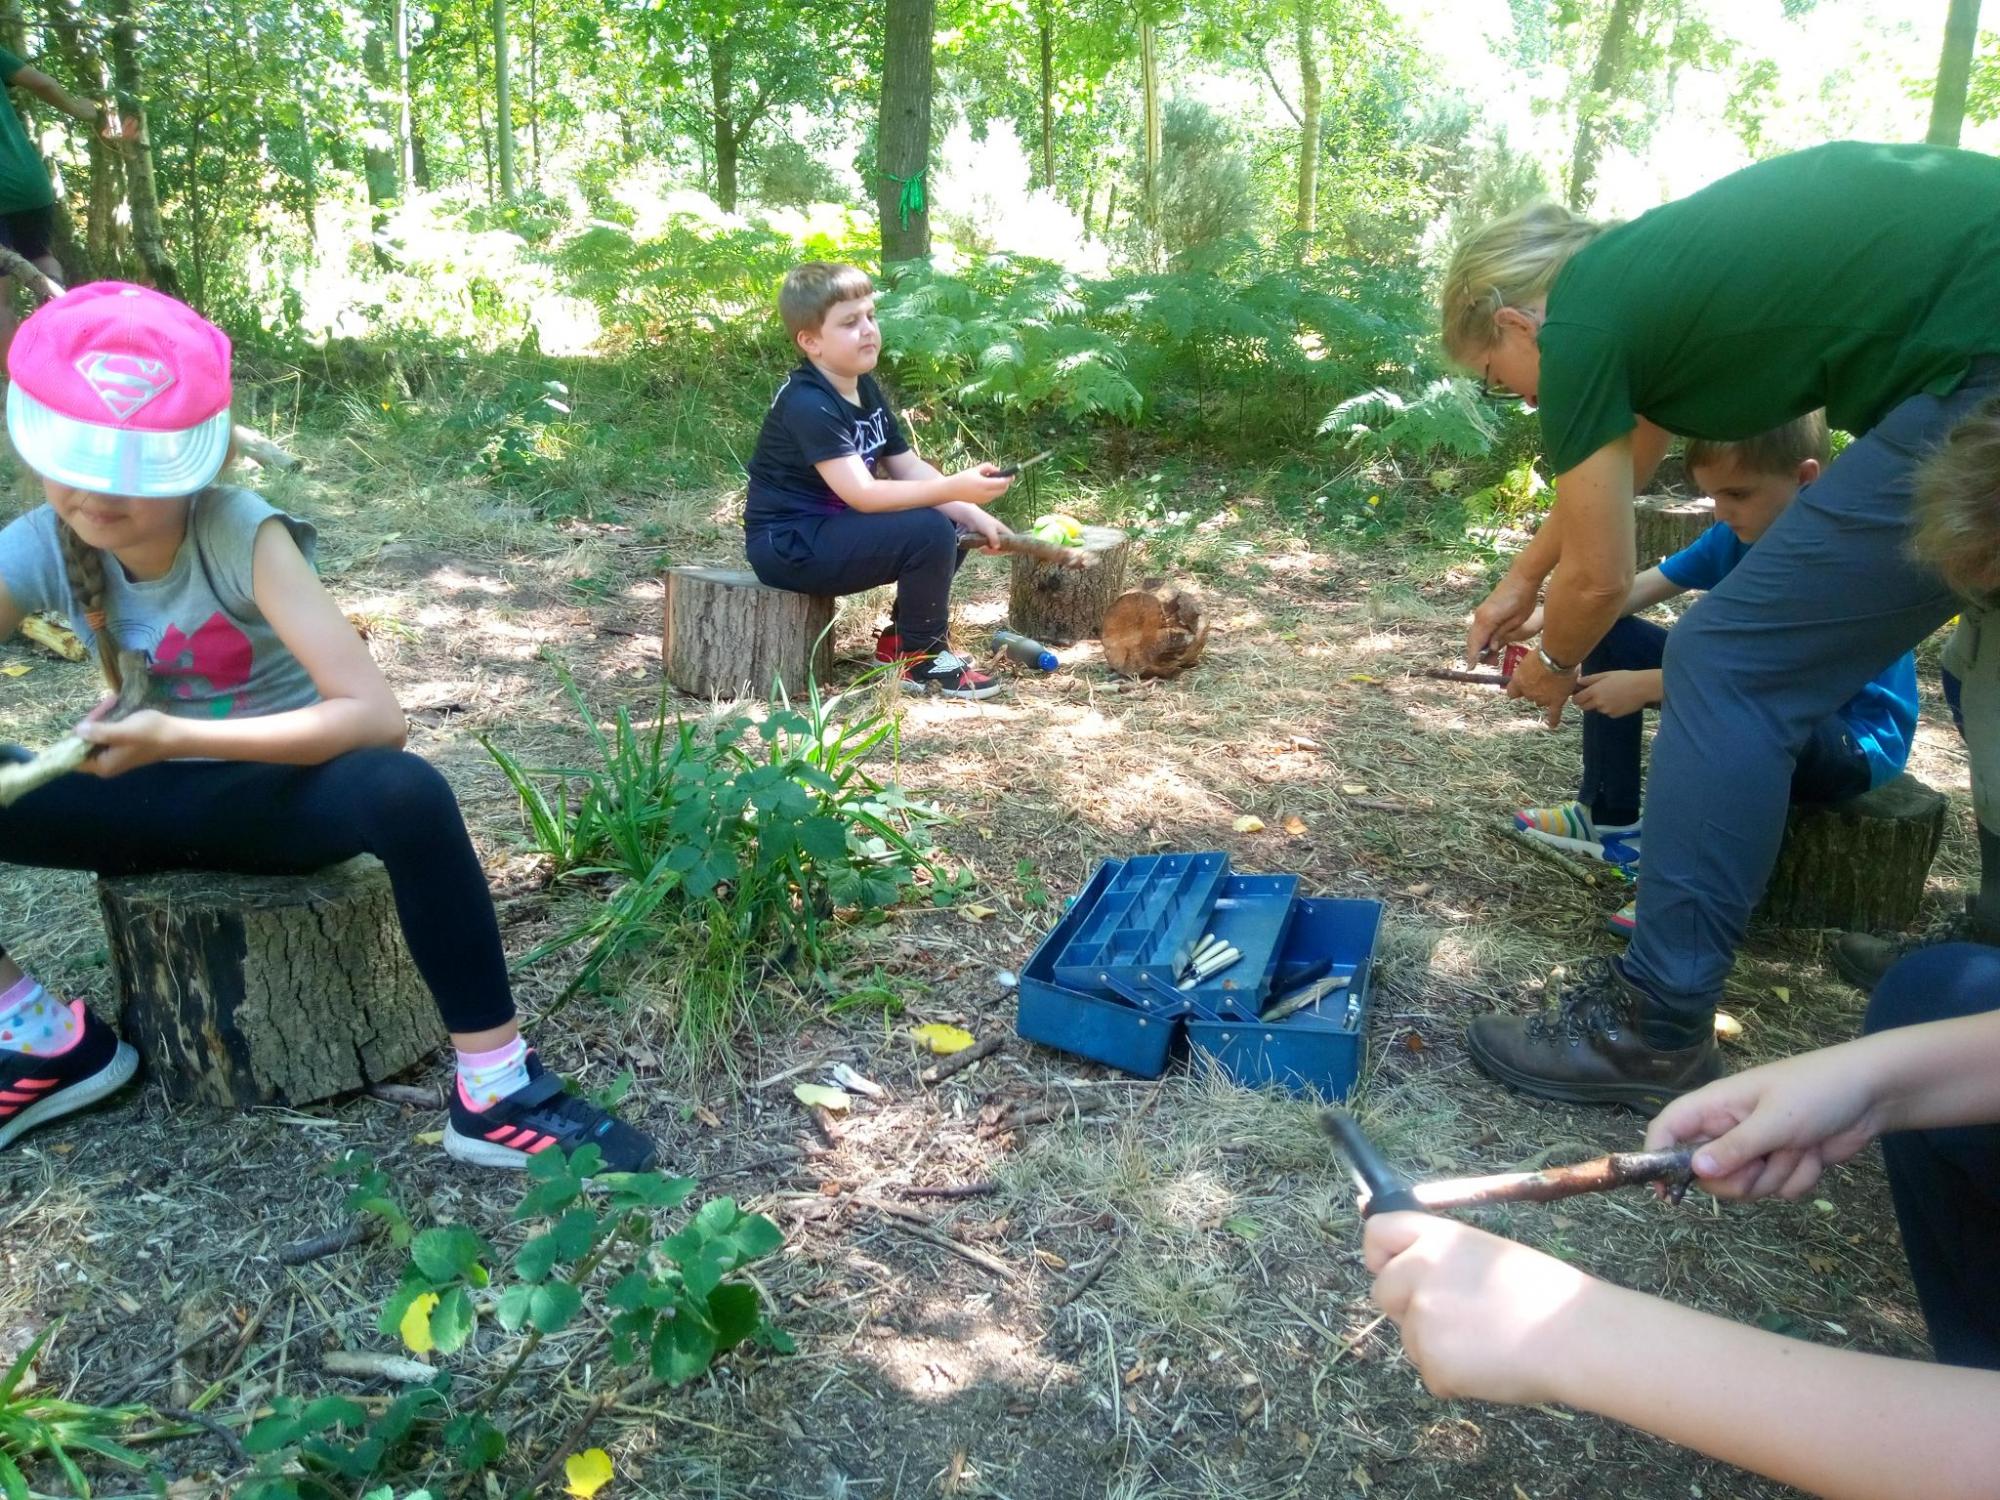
1830,1421
1934,1076
900,494
300,737
1577,611
1538,559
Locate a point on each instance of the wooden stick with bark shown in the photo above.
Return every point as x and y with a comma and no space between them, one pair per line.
1619,1169
70,752
1029,546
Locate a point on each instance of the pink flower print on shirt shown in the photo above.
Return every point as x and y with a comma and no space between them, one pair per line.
218,655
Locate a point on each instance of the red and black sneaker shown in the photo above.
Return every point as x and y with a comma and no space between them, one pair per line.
35,1090
538,1118
948,676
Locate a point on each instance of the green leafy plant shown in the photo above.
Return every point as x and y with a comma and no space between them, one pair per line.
676,1298
724,844
1446,420
38,1428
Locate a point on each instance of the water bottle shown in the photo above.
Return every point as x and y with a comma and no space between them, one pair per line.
1029,653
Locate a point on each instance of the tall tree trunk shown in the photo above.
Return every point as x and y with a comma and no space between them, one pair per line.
1306,15
722,120
1149,83
1047,25
903,132
406,156
378,161
148,237
503,107
81,258
1590,109
535,88
1961,34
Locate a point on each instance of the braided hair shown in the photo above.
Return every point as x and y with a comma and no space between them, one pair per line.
84,565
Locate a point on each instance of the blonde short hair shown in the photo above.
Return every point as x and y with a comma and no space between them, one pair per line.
1778,451
814,287
1957,510
1507,263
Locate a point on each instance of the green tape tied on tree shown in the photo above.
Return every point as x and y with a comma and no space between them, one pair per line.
911,201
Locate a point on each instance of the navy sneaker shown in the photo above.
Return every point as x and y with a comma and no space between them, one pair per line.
948,676
538,1118
35,1090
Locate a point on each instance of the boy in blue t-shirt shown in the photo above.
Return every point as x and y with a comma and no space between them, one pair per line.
1862,745
839,502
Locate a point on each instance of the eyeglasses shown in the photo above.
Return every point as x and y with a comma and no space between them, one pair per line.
1488,391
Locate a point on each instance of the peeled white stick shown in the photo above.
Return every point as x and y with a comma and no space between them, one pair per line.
19,778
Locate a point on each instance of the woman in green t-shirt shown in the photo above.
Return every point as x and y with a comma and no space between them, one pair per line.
1859,278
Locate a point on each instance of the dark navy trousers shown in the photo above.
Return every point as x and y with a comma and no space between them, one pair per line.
851,550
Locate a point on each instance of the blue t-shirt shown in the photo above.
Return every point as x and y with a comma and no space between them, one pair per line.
1882,717
808,423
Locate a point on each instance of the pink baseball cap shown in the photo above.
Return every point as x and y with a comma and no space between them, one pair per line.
122,390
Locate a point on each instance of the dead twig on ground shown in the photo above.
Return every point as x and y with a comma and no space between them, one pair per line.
301,1252
958,1062
165,1361
367,1364
1088,1277
960,1190
913,1222
414,1095
210,1425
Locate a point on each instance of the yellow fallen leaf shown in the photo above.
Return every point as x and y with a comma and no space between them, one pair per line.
1783,992
1295,825
941,1039
819,1096
978,913
1354,789
16,669
429,1138
416,1324
1249,823
1362,677
587,1472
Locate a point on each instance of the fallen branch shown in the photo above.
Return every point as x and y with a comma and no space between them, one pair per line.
961,1190
222,1434
1075,558
1027,1114
406,1093
1460,674
303,1252
366,1364
30,275
1087,1278
914,1222
18,778
1620,1169
958,1062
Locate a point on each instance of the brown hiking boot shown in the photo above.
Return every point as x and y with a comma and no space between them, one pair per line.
1588,1050
1862,958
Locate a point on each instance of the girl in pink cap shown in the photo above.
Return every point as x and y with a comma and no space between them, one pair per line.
268,741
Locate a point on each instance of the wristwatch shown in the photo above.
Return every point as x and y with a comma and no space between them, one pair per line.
1552,664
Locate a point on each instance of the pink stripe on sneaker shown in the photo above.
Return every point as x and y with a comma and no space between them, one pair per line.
542,1145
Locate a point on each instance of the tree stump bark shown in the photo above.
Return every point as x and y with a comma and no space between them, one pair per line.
1661,526
1860,865
1061,606
249,989
1154,631
729,636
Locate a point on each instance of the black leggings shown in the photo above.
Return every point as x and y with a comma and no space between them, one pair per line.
290,820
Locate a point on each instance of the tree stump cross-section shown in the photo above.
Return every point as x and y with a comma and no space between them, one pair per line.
253,989
1661,526
729,636
1059,606
1860,865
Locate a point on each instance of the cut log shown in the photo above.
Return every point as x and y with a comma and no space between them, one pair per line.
247,989
1063,605
729,636
1154,631
1860,865
1661,526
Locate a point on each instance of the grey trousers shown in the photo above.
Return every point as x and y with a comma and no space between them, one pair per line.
1828,598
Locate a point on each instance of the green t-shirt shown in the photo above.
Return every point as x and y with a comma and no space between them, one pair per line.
1849,276
24,180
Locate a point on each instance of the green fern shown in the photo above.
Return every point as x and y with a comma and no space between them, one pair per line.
1446,420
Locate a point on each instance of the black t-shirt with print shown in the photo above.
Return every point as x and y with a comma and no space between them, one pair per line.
808,423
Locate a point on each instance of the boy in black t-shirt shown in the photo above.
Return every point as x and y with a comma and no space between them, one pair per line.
839,502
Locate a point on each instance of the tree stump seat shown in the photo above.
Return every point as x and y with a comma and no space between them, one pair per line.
258,989
1060,606
1858,865
1662,525
726,635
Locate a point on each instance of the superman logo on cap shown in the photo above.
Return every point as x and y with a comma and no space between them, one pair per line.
124,382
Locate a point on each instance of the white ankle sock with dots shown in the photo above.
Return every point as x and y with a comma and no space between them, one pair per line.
34,1021
484,1077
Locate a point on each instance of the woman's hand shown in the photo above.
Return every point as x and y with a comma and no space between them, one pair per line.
1481,1316
1775,1129
1550,690
1503,616
1616,694
981,484
138,739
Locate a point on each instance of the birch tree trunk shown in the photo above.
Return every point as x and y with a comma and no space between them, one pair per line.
1306,15
149,239
1149,83
1046,23
503,106
1954,75
1589,128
